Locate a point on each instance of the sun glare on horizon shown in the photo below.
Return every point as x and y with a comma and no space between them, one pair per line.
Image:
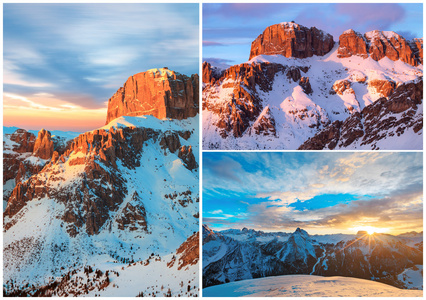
370,229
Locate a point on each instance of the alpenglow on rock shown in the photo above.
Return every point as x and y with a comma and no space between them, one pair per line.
292,40
161,93
379,44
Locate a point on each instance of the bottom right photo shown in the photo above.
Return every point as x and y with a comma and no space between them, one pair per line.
283,224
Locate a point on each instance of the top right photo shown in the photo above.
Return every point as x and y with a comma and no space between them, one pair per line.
312,76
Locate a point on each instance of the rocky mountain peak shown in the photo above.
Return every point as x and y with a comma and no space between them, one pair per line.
379,44
25,141
292,40
300,232
161,93
43,146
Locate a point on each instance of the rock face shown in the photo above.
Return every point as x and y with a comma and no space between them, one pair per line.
352,43
375,122
292,40
161,93
417,46
211,74
25,155
379,44
43,146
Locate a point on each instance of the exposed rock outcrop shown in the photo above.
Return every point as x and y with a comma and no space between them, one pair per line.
306,85
382,86
265,123
161,93
352,43
25,141
342,86
375,122
189,251
417,46
379,44
210,73
43,146
292,40
244,105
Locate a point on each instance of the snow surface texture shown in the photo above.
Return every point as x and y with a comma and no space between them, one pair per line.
307,286
287,96
38,249
413,277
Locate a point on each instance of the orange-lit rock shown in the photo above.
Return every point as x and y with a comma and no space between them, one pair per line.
43,146
379,44
292,40
352,43
161,93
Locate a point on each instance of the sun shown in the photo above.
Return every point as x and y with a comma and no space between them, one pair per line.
370,229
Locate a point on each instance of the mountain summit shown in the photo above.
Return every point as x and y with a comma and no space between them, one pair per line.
161,93
379,44
292,40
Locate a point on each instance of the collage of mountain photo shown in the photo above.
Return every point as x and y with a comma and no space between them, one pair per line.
207,149
324,77
104,201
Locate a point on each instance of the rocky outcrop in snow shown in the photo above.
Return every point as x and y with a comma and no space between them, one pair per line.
386,118
292,40
43,146
379,44
161,93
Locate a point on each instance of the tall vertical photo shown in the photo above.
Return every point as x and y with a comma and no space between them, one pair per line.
101,150
314,76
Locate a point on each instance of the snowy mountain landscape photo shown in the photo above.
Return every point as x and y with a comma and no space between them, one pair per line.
312,76
101,150
312,224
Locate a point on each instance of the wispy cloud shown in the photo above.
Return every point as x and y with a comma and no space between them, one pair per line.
266,186
89,50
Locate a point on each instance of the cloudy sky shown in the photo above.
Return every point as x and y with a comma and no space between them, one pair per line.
229,29
319,192
62,62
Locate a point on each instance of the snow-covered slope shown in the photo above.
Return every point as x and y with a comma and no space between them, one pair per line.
302,97
307,286
116,214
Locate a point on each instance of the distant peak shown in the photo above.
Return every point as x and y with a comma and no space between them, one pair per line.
300,231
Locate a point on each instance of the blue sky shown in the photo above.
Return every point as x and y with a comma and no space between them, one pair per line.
63,58
320,192
229,29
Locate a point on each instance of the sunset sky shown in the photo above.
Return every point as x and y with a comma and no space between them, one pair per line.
319,192
229,29
62,62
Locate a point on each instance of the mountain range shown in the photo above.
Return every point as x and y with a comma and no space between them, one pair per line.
113,211
302,90
234,255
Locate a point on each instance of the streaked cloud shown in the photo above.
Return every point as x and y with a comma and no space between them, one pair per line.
82,53
281,190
